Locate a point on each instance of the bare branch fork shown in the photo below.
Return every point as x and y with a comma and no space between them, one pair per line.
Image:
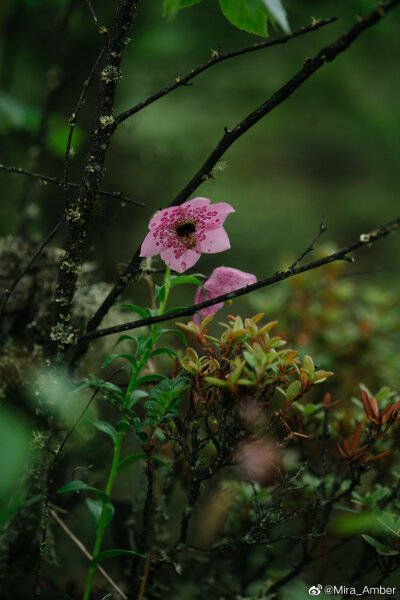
365,239
216,58
324,56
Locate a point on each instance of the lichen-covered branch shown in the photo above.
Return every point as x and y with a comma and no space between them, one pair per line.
79,210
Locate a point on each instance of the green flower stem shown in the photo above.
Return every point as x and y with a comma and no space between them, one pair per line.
167,285
102,521
145,355
117,448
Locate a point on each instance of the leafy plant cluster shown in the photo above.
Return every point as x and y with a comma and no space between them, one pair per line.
237,437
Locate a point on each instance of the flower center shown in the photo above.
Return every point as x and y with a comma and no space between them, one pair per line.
185,232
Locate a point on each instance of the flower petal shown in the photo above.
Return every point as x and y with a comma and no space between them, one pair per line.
222,210
221,281
150,245
216,240
197,203
186,260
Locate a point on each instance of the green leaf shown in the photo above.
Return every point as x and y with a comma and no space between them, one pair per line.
11,509
110,553
149,379
380,548
188,279
159,292
139,311
137,426
132,457
171,7
161,462
77,486
129,459
104,427
165,351
278,14
250,15
136,396
175,331
95,508
111,357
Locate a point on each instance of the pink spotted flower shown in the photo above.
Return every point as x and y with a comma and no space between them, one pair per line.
221,281
181,233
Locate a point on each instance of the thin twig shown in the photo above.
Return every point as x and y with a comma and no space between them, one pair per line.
49,482
325,55
86,552
60,183
74,116
90,5
216,58
311,247
147,510
343,254
38,251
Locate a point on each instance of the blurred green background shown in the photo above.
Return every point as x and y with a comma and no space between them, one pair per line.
332,149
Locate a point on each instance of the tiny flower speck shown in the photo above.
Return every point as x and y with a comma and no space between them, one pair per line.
181,233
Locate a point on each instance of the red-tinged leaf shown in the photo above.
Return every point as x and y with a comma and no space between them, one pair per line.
326,401
365,400
361,450
360,458
340,450
346,447
374,406
396,407
356,437
377,456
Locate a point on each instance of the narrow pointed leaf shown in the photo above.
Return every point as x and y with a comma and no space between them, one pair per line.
104,427
95,508
110,553
77,486
139,311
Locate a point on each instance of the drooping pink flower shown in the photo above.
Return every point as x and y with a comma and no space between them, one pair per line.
181,233
221,281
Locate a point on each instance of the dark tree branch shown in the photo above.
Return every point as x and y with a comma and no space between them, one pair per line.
364,239
216,58
42,245
134,583
56,81
311,65
73,119
52,233
327,54
311,247
60,183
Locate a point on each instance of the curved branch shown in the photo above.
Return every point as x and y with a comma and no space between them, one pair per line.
216,58
343,254
327,54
